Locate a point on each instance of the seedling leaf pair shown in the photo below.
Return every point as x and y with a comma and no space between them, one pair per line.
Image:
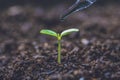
59,37
53,33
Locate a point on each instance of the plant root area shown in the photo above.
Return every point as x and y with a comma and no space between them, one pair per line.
93,53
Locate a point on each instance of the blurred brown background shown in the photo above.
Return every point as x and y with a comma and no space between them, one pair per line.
47,3
24,18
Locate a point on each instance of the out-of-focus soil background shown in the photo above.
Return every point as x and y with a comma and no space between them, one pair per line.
91,54
25,18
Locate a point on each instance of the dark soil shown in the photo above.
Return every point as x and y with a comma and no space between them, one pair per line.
91,54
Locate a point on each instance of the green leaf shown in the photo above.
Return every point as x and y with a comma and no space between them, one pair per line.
68,31
48,32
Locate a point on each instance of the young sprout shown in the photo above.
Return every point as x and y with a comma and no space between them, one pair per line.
59,37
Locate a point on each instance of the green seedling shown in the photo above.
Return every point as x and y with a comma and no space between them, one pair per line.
59,37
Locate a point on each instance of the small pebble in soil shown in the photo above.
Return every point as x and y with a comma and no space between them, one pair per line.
85,41
82,78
